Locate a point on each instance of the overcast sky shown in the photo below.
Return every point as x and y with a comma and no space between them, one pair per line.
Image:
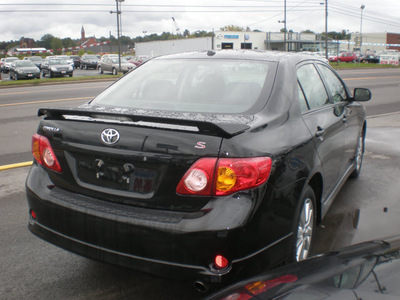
65,18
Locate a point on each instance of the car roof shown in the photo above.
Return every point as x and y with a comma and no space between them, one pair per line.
274,56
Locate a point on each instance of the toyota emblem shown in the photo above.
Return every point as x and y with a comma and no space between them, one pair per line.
110,136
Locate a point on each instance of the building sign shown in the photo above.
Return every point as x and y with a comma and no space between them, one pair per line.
389,59
231,36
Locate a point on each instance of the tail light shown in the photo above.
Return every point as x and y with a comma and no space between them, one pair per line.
224,176
254,289
44,154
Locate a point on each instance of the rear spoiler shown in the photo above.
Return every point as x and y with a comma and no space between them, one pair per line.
226,130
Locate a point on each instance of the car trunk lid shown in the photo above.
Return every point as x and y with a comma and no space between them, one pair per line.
144,166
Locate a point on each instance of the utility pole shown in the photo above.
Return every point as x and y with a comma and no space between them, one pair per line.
326,28
118,12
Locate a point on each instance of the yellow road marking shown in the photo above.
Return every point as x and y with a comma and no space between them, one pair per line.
18,165
45,101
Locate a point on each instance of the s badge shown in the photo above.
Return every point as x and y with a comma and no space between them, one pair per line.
200,145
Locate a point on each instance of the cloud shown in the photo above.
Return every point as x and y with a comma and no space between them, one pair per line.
96,18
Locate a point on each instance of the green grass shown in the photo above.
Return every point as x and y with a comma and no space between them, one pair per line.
344,65
56,80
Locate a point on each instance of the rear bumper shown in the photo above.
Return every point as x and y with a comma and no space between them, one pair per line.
174,244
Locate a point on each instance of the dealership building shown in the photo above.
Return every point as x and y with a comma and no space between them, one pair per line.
271,41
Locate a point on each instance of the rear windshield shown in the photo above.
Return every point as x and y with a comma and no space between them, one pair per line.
190,85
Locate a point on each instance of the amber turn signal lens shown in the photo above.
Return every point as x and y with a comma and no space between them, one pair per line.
226,179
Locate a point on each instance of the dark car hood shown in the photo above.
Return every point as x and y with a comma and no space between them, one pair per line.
346,272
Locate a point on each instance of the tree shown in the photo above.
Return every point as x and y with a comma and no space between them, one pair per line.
68,42
56,45
186,33
45,41
232,28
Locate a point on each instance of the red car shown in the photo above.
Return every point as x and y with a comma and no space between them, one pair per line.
345,57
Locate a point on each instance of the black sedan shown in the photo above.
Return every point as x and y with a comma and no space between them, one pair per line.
24,69
206,165
56,67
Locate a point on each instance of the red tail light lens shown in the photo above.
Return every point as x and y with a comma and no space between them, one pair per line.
237,174
256,288
44,154
224,176
198,179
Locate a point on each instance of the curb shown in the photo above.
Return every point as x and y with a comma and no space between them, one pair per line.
13,166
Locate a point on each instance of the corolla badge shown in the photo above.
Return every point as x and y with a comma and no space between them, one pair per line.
110,136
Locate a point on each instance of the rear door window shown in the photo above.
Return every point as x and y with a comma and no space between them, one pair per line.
336,89
312,86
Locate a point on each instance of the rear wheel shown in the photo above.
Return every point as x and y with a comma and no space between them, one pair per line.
100,70
359,156
114,71
305,225
51,74
15,76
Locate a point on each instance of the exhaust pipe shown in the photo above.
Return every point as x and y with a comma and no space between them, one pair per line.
200,286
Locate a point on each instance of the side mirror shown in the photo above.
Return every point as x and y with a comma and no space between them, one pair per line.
361,94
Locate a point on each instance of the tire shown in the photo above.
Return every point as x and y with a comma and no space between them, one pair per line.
70,75
358,158
100,70
15,76
51,74
43,74
114,71
305,225
86,67
10,76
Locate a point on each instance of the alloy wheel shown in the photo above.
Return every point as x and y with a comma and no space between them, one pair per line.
305,230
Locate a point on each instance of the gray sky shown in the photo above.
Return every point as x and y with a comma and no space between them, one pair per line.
65,18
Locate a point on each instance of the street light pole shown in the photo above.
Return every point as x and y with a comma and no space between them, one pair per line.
362,8
326,29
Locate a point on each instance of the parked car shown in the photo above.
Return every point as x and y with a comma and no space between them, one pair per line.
2,64
24,69
89,62
67,59
205,165
139,59
37,60
369,270
77,60
56,67
344,57
111,64
7,63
